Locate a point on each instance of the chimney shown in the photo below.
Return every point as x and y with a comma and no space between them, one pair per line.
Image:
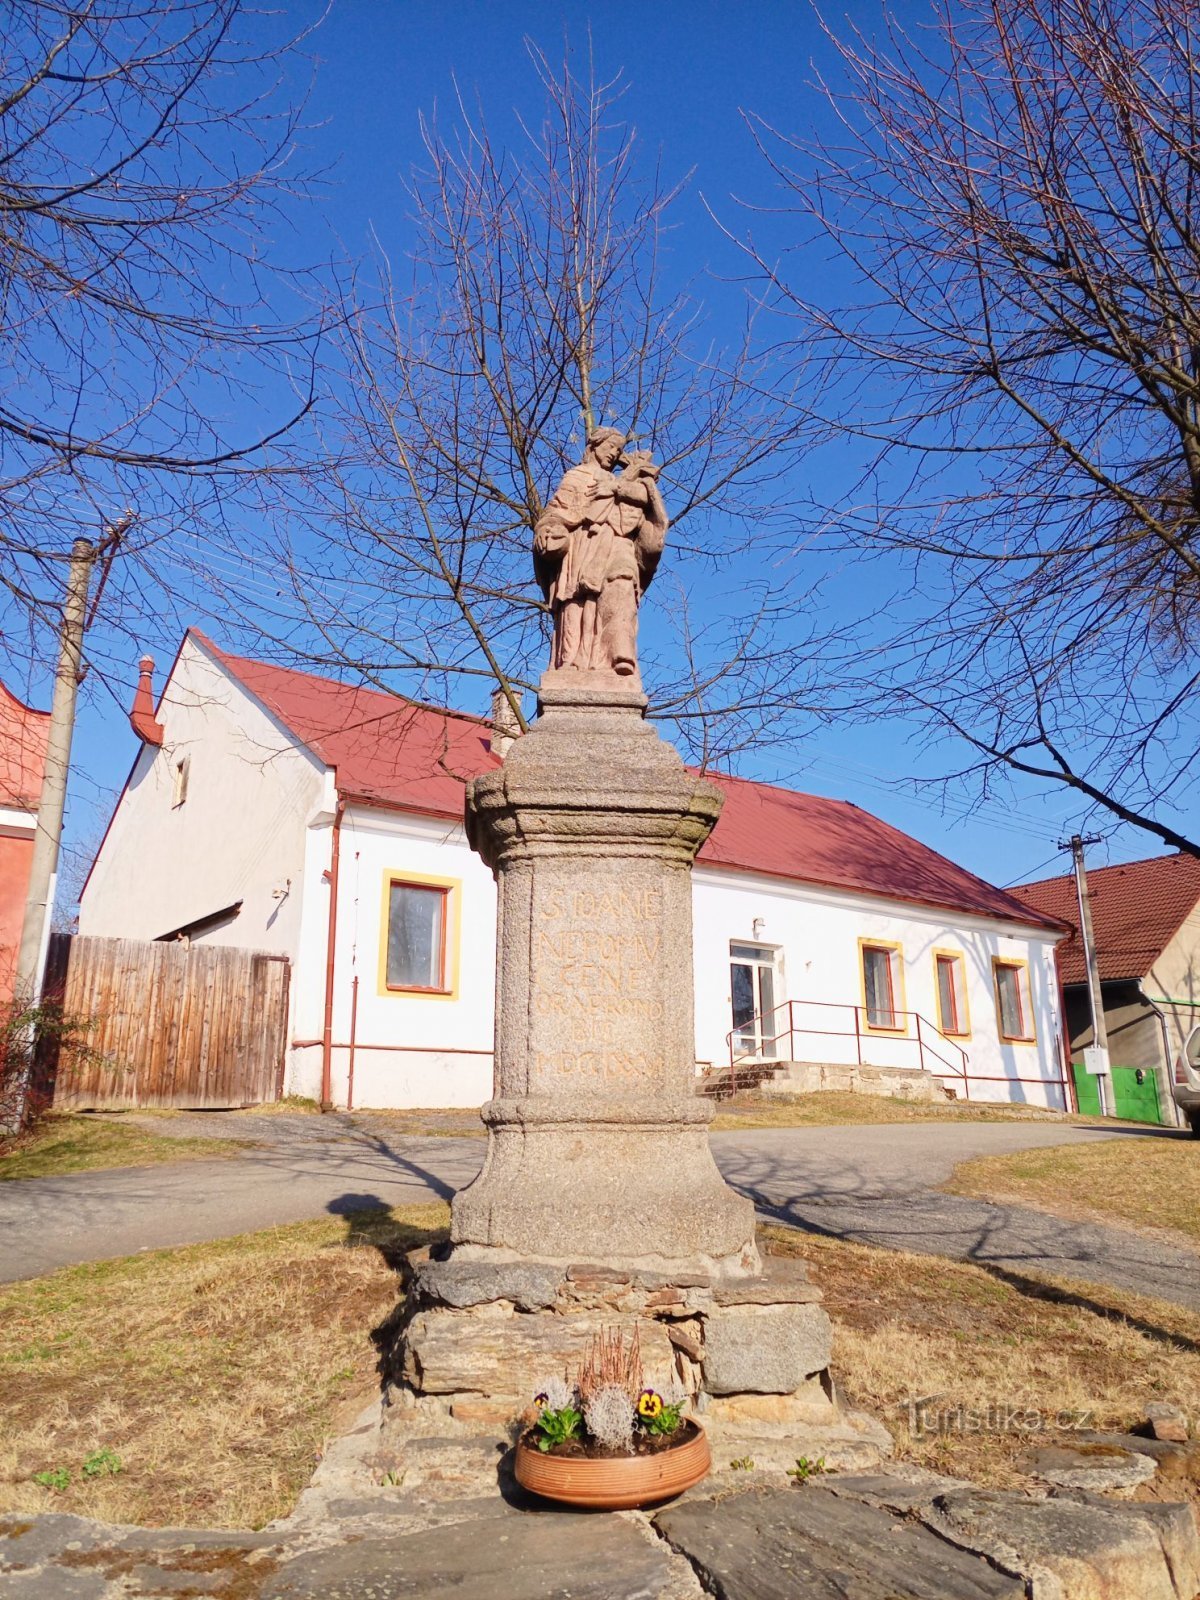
505,727
141,717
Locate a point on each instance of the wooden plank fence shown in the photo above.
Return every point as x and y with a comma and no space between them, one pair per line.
169,1025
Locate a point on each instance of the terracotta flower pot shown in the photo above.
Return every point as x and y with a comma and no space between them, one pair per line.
617,1483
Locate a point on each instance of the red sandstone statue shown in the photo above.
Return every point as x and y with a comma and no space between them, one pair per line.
595,548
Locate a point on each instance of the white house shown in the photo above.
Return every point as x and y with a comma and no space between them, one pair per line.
290,813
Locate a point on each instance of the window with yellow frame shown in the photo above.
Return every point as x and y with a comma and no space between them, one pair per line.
882,974
950,985
419,935
1014,1007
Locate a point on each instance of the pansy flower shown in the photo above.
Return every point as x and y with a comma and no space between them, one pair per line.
650,1404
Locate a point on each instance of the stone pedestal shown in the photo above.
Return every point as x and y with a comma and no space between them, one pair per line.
599,1204
597,1143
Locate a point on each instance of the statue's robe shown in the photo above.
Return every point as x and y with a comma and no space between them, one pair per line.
587,538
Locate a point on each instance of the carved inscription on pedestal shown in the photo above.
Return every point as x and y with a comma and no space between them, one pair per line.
597,1007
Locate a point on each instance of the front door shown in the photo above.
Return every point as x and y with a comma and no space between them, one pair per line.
752,988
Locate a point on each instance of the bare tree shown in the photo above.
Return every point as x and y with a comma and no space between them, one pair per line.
144,150
1011,199
536,303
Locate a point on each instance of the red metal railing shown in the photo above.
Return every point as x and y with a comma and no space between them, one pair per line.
934,1052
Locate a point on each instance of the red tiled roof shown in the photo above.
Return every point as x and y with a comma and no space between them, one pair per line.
394,753
1136,909
23,736
839,846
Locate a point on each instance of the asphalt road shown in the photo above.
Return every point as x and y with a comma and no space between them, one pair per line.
874,1184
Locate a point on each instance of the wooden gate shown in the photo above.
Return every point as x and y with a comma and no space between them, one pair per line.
167,1025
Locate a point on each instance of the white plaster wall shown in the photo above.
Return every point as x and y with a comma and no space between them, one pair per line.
239,835
817,934
410,1049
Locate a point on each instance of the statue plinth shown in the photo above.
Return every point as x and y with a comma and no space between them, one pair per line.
597,1142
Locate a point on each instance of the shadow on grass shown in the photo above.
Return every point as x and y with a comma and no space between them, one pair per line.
371,1225
1057,1294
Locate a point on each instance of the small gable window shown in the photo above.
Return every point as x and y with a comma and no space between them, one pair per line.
179,780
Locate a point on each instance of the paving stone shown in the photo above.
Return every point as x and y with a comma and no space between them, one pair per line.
1088,1464
528,1556
52,1583
43,1558
778,1544
761,1349
892,1492
1175,1527
1172,1460
1091,1549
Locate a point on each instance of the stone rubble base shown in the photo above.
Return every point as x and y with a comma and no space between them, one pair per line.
444,1519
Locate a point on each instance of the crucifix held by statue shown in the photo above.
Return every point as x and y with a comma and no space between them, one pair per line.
595,549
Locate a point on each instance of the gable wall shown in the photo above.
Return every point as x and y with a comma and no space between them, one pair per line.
239,835
1175,979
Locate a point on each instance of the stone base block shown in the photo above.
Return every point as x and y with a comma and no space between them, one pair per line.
766,1349
812,1403
506,1355
600,1190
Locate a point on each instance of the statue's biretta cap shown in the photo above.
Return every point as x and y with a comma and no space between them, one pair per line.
599,435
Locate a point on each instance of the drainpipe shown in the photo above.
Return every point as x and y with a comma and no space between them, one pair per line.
330,958
1165,1084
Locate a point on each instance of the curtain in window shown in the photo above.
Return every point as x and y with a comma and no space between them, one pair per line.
877,980
947,974
414,949
1008,989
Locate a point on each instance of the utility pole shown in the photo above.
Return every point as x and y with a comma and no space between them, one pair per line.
44,867
43,870
1092,962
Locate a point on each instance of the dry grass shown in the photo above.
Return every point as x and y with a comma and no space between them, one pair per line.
908,1326
830,1106
215,1374
64,1142
1151,1182
451,1122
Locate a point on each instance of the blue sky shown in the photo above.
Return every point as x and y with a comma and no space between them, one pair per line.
693,68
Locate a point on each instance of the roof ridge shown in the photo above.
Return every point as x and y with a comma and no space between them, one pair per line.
1111,866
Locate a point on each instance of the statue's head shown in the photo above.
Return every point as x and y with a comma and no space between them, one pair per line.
606,447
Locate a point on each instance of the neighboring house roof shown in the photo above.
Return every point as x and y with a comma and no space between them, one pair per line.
1136,911
23,736
389,752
